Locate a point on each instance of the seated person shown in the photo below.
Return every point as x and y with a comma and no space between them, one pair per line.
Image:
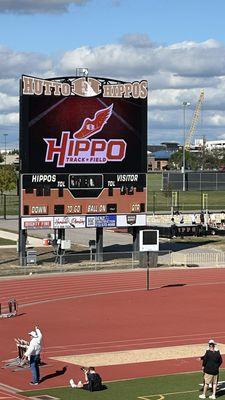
93,381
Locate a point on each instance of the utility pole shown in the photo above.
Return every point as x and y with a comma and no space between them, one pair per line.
203,152
5,136
185,104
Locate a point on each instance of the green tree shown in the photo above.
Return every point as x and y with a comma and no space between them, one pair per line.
210,159
14,151
8,178
194,161
1,158
175,161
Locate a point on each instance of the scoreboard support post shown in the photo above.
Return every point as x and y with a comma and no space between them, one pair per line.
22,246
99,244
136,232
147,274
61,236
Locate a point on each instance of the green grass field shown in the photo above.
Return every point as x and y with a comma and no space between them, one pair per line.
186,201
4,242
168,387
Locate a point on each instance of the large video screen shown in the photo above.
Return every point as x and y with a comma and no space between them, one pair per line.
74,134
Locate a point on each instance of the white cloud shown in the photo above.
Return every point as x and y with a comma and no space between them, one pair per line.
175,73
13,64
8,103
38,6
185,60
9,86
8,119
216,119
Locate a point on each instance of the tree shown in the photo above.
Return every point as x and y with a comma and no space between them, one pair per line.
8,178
14,151
211,159
1,158
175,161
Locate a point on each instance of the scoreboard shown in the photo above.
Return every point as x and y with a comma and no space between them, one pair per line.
83,194
83,146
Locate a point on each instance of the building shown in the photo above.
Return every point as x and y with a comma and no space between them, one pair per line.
10,159
158,161
171,146
159,155
210,144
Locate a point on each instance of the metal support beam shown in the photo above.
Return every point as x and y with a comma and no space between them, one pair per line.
136,234
99,244
22,246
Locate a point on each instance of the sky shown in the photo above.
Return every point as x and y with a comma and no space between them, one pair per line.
178,46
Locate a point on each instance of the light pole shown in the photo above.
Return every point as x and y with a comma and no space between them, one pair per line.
5,135
185,104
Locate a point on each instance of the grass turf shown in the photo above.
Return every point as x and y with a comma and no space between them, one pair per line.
4,242
169,387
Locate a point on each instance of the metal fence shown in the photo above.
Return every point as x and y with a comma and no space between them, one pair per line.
164,201
9,205
202,180
46,261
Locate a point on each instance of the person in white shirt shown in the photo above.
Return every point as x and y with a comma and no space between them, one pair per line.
193,219
39,335
33,354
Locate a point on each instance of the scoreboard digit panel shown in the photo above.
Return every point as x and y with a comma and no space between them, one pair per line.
83,146
51,194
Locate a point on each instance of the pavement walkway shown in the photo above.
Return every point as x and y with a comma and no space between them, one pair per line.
34,242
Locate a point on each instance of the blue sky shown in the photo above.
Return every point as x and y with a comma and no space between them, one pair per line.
179,46
100,22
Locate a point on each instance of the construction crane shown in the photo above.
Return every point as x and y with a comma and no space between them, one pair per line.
194,120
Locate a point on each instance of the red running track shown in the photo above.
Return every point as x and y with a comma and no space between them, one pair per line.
96,312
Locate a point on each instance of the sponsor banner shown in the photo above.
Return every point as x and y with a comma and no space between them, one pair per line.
101,221
69,222
131,220
37,223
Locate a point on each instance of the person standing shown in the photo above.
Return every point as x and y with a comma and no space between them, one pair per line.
202,217
181,218
193,219
33,354
211,362
173,228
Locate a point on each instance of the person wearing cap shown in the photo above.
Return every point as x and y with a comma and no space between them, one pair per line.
211,362
33,354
